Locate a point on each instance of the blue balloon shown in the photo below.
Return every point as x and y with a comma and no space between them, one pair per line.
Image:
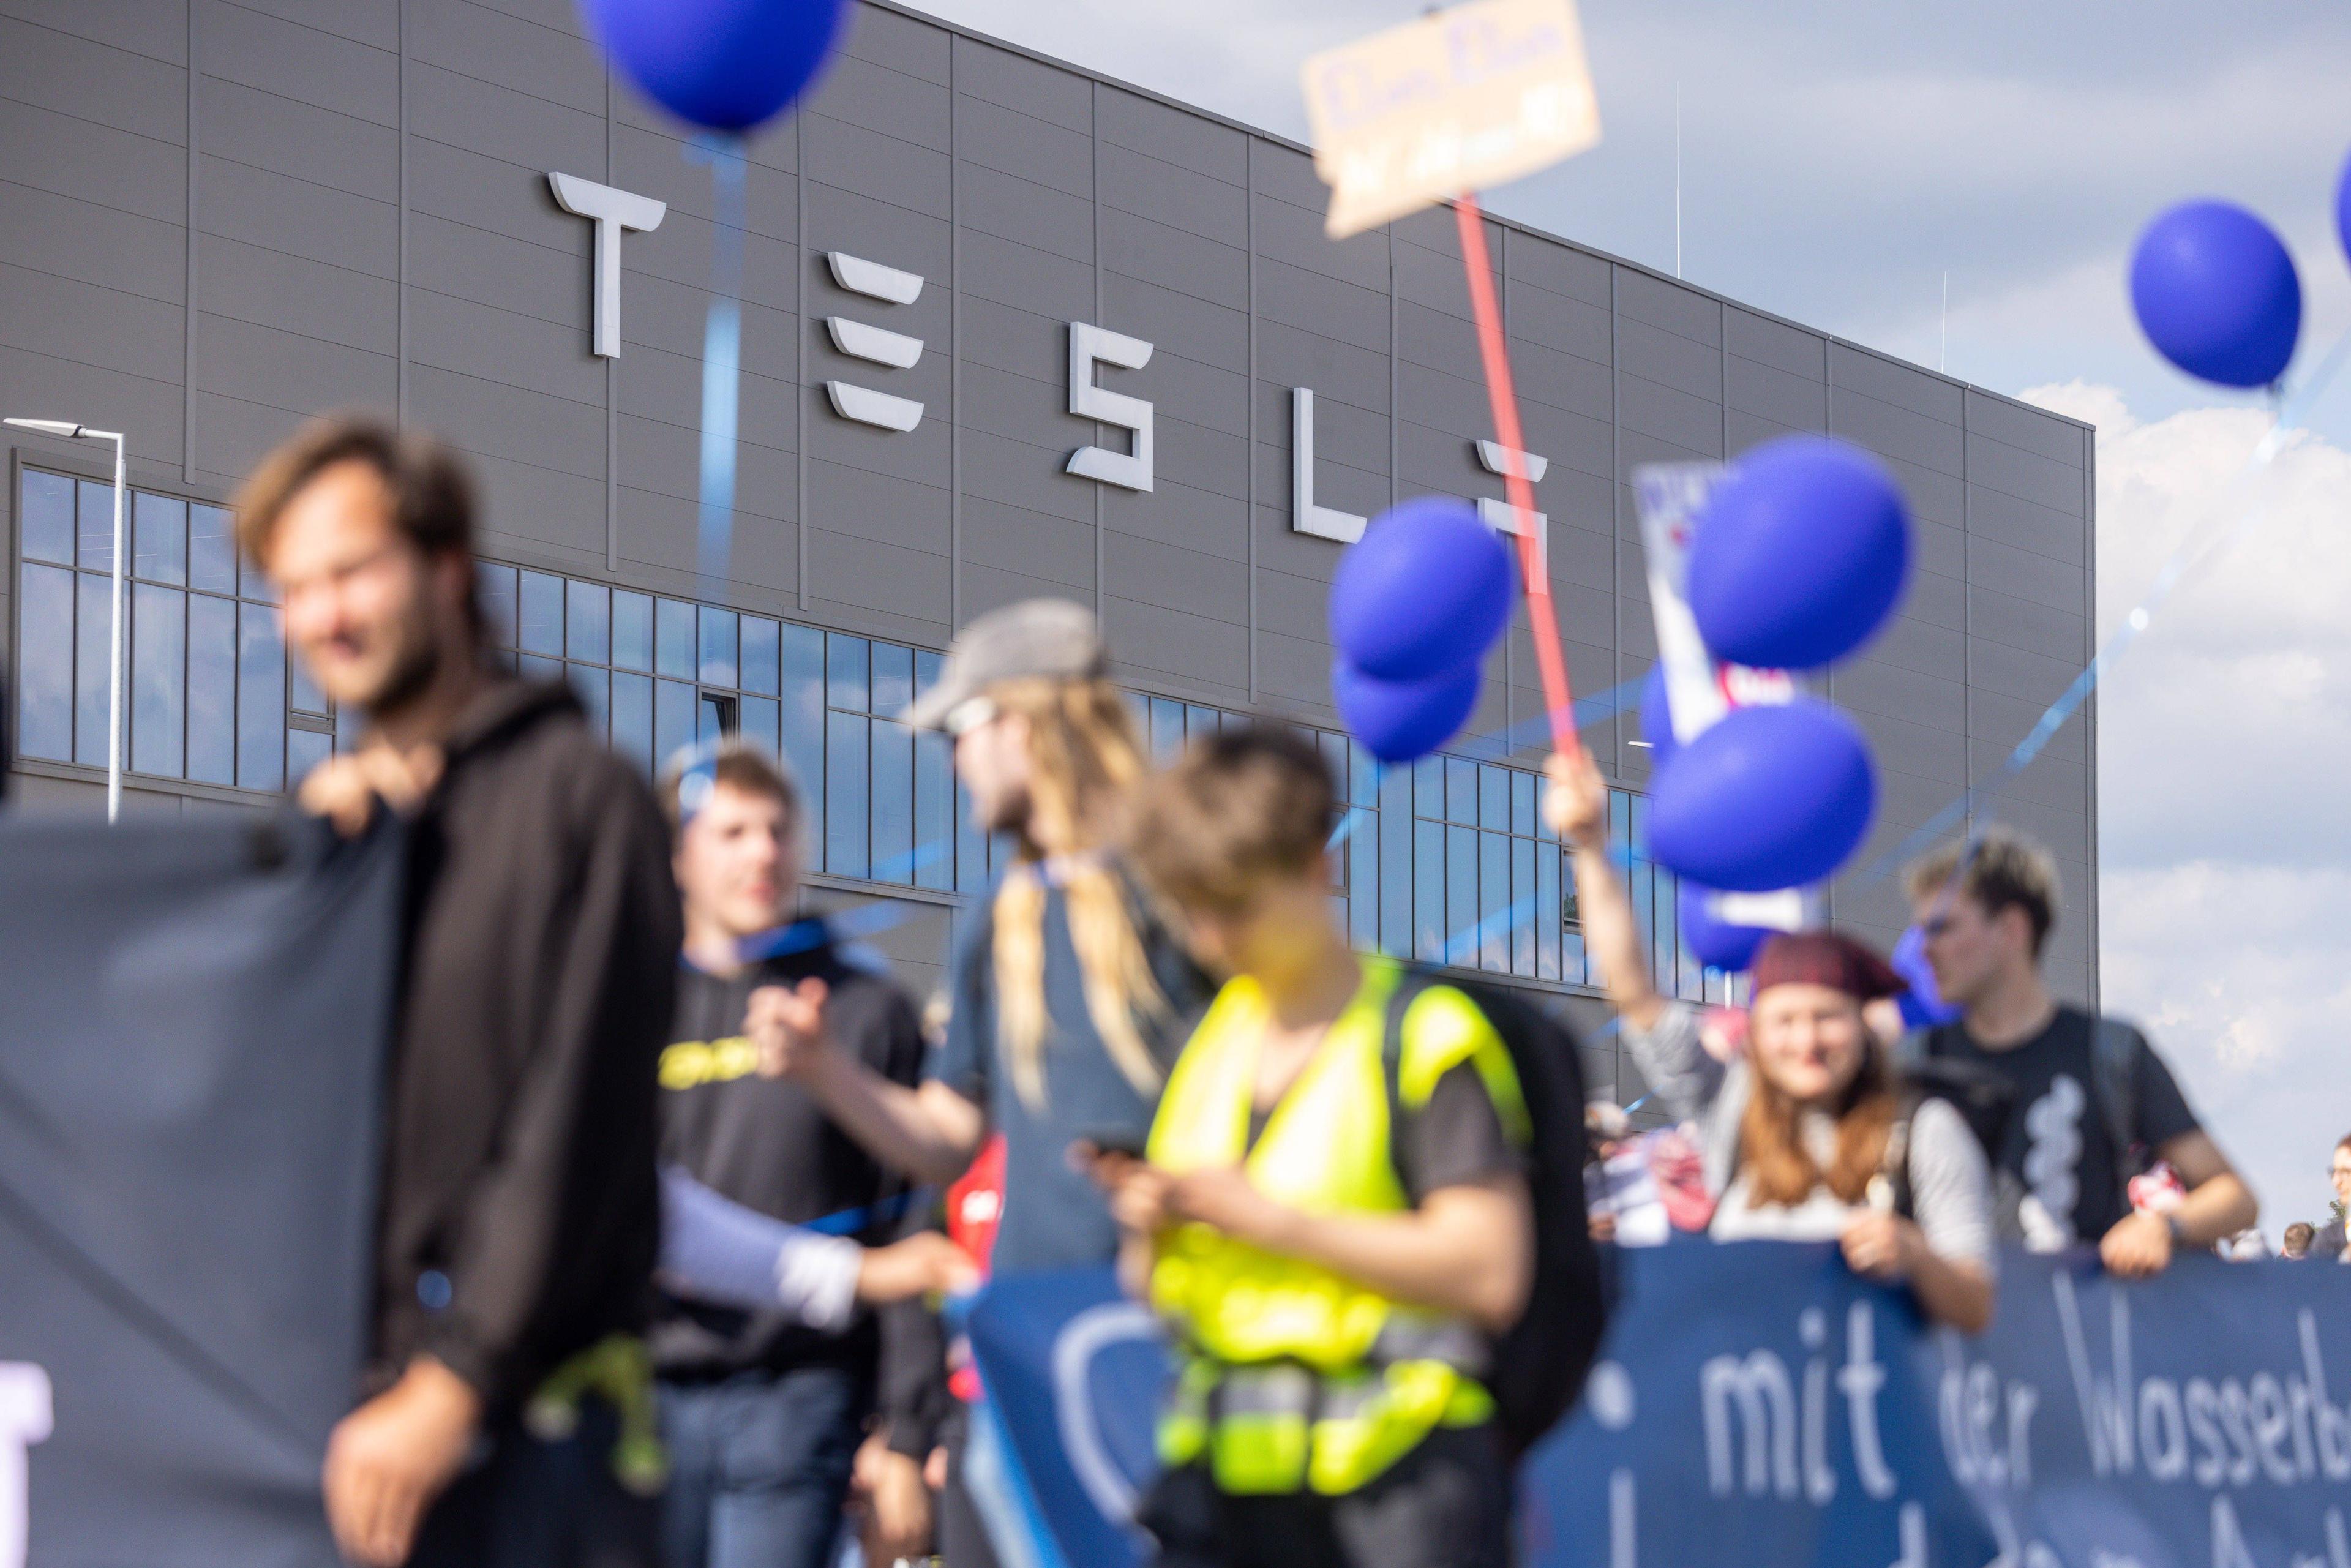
2343,207
1400,720
2216,293
1657,718
1717,943
1424,592
1769,798
1799,554
1922,1005
724,65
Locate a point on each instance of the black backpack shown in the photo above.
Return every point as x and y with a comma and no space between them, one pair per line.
1540,1360
1981,1097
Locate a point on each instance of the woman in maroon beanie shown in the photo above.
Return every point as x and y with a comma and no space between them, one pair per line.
1805,1135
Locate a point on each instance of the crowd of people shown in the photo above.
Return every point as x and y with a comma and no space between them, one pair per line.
660,1245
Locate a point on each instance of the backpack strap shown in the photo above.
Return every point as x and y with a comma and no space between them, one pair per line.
1894,1165
2116,1048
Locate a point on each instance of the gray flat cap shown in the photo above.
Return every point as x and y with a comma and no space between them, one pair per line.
1047,639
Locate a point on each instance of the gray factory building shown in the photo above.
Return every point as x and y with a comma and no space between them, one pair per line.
1008,329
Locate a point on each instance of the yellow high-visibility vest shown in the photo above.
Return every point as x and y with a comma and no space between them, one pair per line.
1296,1376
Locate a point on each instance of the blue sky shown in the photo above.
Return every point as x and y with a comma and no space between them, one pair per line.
1839,158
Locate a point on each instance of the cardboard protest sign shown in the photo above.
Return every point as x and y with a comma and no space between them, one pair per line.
1471,97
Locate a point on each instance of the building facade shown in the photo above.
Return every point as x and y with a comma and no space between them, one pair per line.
1007,329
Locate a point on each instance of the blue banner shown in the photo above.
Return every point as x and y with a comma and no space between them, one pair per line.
1757,1404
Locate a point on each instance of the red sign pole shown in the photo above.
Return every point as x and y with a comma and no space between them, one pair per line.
1558,697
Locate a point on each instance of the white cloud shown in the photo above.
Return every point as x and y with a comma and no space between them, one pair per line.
2224,743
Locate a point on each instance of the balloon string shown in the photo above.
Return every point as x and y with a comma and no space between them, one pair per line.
722,352
2204,544
1542,621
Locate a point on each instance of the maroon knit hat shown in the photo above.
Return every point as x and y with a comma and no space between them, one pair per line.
1825,958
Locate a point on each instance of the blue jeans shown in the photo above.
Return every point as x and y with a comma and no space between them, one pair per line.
759,1465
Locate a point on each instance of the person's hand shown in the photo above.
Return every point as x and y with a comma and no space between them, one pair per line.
897,1504
1138,1189
1604,1224
1224,1197
787,1025
1575,800
922,1264
344,789
2138,1247
1882,1246
388,1460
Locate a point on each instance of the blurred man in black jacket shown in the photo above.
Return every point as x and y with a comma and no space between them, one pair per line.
763,1412
519,1211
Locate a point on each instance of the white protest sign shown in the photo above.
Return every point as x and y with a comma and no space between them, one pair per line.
1698,691
25,1417
1468,98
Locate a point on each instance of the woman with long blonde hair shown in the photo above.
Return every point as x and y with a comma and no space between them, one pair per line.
1068,1001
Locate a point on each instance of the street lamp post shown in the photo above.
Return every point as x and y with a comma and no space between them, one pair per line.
66,430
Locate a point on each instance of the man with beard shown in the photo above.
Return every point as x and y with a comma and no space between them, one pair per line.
518,1206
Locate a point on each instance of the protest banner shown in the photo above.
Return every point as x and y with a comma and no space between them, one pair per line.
190,1058
1757,1404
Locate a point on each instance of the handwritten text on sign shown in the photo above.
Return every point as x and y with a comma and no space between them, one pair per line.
1470,98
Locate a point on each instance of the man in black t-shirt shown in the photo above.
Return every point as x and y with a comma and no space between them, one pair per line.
762,1412
2093,1102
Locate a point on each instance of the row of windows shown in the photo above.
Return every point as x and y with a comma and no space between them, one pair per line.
1446,861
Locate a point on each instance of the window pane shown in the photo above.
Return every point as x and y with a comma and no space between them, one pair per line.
1494,911
759,654
1199,721
495,587
541,628
252,582
45,663
260,699
1494,798
802,716
1166,729
349,723
1462,791
47,521
1428,788
1524,904
94,519
893,678
537,667
673,639
158,678
632,629
212,548
303,694
844,793
93,634
632,718
717,646
971,846
212,689
1363,881
1522,803
1546,863
1462,896
1395,861
844,673
595,689
1428,891
305,749
159,538
934,808
759,724
927,665
587,627
894,793
673,720
1363,776
714,719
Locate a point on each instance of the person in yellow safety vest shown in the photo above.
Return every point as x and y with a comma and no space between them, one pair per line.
1330,1213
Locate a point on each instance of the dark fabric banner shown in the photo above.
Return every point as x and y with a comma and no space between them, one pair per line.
191,1038
1757,1404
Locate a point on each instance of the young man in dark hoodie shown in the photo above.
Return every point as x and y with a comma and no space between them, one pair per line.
518,1212
764,1411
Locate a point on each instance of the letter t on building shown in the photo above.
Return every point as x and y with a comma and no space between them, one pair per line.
611,210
